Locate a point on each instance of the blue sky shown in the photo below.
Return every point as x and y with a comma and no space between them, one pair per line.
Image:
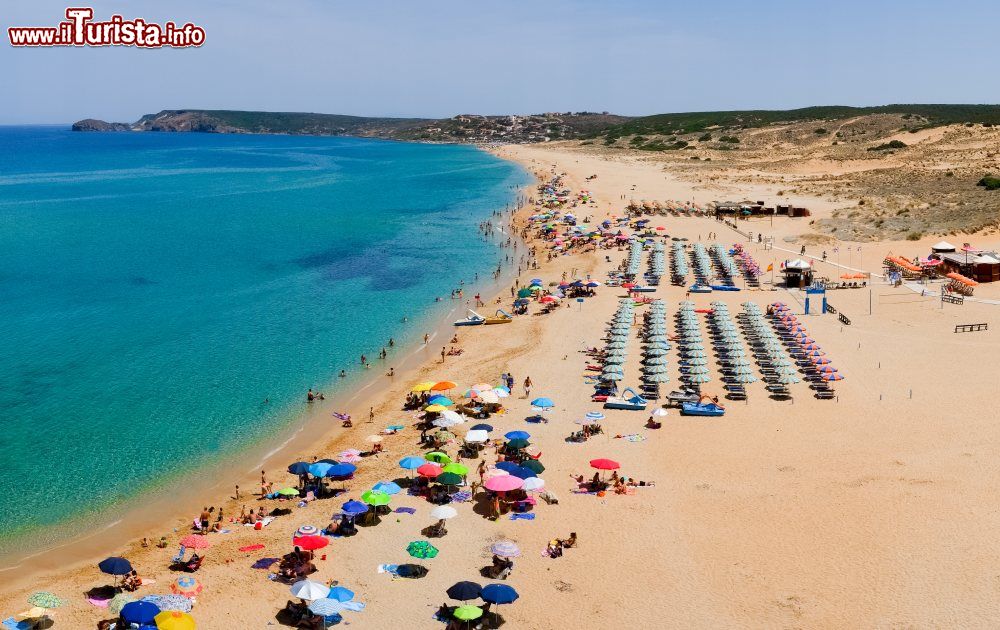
438,58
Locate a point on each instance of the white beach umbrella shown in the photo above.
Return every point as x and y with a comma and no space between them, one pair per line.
444,512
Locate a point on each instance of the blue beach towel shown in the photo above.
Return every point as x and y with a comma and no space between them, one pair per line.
405,510
529,516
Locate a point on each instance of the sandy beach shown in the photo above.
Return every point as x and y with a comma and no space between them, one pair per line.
872,510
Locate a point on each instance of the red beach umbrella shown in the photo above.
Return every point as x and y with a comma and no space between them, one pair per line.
429,470
604,464
310,543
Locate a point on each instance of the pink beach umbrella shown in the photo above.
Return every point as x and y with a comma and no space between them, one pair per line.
505,483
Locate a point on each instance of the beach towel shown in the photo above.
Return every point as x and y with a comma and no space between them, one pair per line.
405,510
529,516
13,624
462,497
264,563
634,437
100,603
252,547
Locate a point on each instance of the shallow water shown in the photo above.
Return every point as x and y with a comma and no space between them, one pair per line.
166,299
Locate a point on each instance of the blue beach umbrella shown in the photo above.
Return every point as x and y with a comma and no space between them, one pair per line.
498,594
543,403
395,427
595,415
517,435
139,612
341,594
341,470
353,508
481,427
299,468
388,487
507,466
115,566
444,401
464,591
412,462
320,469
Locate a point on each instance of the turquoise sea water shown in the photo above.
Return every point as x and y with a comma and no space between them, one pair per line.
156,288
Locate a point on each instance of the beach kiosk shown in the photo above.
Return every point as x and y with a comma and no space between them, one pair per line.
798,274
944,247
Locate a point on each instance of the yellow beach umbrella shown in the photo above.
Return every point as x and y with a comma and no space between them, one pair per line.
422,387
434,408
174,620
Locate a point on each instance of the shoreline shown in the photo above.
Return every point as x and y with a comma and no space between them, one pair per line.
157,508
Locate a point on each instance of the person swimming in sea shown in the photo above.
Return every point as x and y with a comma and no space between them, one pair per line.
342,374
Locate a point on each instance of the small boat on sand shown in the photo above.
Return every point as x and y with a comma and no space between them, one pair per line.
629,400
700,288
472,319
500,317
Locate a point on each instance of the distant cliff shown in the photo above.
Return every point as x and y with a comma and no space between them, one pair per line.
92,124
468,128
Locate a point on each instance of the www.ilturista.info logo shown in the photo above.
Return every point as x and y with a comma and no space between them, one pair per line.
79,29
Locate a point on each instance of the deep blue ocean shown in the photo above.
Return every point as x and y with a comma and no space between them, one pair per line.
155,289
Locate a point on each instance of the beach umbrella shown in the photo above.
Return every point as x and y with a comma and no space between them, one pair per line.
505,549
464,591
443,386
453,416
476,435
376,498
448,479
139,612
412,462
309,589
187,586
444,436
456,468
421,549
115,566
534,466
354,508
543,403
467,613
174,620
836,376
444,512
319,469
288,492
388,487
604,464
595,416
482,427
507,466
299,468
787,379
524,293
503,483
422,387
394,427
444,401
340,594
429,470
196,541
45,599
518,444
499,594
532,484
116,603
307,530
438,457
494,472
310,543
177,603
698,378
326,606
501,392
435,408
657,378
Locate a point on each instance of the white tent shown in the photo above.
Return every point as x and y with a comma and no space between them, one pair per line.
943,246
798,263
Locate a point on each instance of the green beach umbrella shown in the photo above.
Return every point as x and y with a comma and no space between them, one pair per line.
456,468
534,466
421,549
288,492
523,293
449,479
44,599
468,613
518,444
119,601
438,457
376,498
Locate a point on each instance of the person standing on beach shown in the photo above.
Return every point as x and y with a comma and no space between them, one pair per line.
205,516
481,470
426,338
371,414
442,354
527,387
263,484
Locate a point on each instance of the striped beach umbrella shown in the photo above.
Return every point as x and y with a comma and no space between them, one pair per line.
187,586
